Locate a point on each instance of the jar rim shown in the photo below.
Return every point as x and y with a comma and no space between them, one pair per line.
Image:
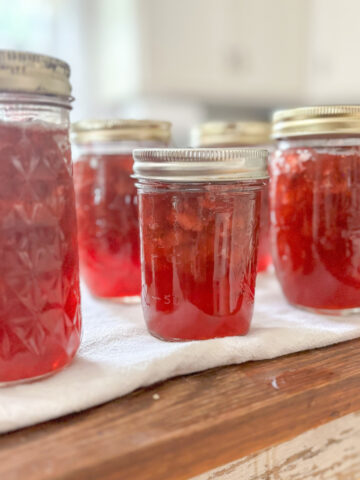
316,120
37,99
229,133
200,164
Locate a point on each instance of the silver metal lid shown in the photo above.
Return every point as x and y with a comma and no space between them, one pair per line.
200,164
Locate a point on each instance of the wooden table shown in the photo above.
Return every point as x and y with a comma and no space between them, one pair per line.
262,416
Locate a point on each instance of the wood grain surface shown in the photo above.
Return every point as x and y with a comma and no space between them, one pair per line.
192,424
328,452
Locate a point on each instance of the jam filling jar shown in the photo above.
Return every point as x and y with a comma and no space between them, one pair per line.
199,222
242,134
315,207
107,205
40,318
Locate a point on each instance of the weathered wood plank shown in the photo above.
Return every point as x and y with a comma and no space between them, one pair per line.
328,452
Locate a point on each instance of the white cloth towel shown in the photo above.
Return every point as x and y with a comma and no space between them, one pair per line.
117,354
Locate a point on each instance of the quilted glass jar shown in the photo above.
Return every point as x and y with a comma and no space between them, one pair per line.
107,204
40,318
242,134
199,222
315,207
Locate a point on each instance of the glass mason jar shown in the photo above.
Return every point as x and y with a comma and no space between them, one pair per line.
199,223
107,206
40,317
235,135
315,207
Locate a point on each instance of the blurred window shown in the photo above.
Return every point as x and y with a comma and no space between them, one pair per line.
28,25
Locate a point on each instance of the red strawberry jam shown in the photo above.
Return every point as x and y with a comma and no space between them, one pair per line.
39,273
315,204
248,134
264,253
108,225
200,256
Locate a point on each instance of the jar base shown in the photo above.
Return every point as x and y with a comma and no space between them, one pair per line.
128,300
343,312
178,340
13,383
163,339
133,300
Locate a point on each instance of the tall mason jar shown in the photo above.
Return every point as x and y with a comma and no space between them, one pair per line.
315,207
40,319
242,134
199,223
107,203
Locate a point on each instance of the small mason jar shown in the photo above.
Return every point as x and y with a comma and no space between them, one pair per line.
242,134
107,206
199,222
40,318
315,207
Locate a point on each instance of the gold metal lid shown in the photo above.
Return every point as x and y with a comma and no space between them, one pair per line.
200,164
231,133
318,120
88,131
27,72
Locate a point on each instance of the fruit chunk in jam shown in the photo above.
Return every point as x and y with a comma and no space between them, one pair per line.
108,225
199,259
39,273
315,204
